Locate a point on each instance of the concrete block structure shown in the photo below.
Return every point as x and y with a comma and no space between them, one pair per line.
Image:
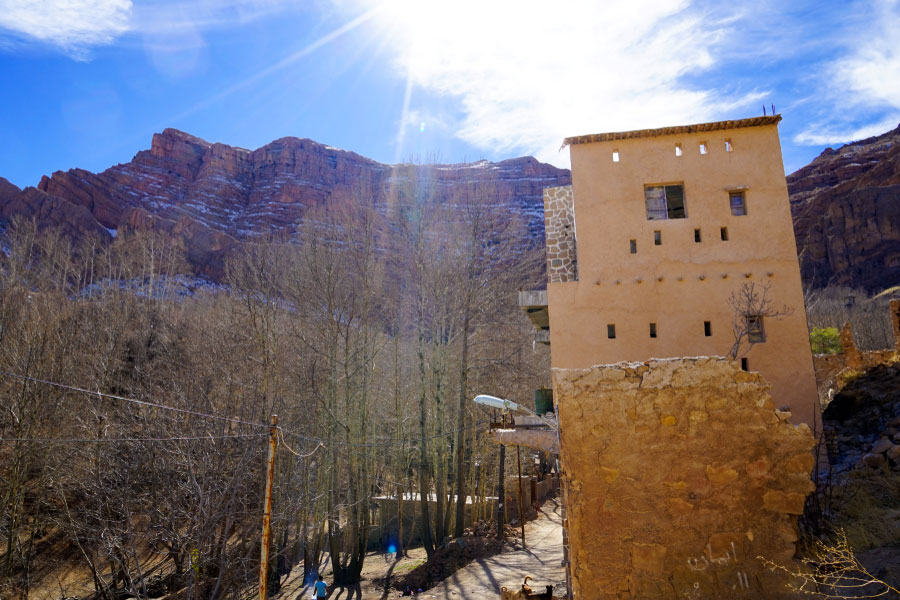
657,230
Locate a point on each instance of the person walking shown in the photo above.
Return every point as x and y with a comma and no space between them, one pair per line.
321,588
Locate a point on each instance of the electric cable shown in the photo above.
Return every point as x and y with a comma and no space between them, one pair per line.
132,400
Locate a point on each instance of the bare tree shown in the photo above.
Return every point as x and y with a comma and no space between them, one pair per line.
751,306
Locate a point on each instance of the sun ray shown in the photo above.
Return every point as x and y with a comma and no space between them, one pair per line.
281,64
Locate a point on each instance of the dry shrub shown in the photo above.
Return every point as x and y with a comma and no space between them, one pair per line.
831,570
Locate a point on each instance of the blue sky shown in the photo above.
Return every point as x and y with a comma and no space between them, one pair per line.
87,82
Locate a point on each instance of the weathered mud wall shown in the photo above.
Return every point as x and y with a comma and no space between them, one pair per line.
678,474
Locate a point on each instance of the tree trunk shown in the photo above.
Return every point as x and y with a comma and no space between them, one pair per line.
501,496
461,429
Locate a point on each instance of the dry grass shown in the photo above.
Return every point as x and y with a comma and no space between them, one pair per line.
870,517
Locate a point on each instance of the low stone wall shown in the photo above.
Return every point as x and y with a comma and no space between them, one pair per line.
384,517
830,367
677,475
533,492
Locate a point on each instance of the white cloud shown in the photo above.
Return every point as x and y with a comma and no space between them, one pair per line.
77,25
70,24
871,74
529,73
862,88
827,135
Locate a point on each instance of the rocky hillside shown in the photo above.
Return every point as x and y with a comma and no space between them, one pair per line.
846,207
214,195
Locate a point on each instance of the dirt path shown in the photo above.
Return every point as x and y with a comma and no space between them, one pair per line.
480,580
542,559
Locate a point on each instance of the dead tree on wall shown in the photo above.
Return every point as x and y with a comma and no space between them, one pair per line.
751,306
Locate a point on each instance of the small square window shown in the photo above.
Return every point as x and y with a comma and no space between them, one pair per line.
633,246
657,238
677,149
756,333
728,146
697,235
611,331
724,233
653,330
615,156
707,328
703,149
738,203
664,202
744,364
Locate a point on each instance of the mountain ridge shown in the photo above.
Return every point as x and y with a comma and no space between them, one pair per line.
845,203
213,195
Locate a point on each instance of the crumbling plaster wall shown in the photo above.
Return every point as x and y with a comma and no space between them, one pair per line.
678,474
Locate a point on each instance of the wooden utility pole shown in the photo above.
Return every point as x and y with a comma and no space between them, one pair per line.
521,508
501,496
267,511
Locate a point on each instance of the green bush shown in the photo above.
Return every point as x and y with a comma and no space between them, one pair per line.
825,340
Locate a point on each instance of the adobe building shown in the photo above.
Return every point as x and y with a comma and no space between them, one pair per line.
657,230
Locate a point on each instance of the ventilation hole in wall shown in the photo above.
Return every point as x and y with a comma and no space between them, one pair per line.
615,156
703,149
653,330
633,246
724,232
677,149
697,235
707,328
611,331
728,147
657,238
744,365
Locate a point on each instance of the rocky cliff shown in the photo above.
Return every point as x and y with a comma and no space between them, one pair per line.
846,208
846,203
214,195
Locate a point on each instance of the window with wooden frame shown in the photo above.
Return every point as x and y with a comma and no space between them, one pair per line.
756,333
738,203
664,202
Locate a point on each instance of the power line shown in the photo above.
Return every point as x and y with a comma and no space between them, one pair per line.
132,400
390,443
118,440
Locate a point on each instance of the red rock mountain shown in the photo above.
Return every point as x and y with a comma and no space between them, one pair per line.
846,208
214,195
846,203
